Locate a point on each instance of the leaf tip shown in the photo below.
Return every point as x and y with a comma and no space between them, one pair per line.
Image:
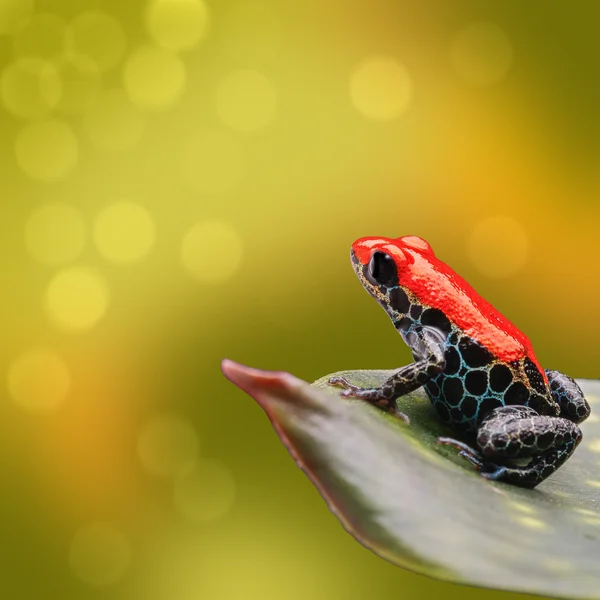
238,374
228,367
251,380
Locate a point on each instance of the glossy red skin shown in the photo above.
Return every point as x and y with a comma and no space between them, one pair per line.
435,284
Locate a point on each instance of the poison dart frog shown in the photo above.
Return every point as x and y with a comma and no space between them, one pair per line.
477,368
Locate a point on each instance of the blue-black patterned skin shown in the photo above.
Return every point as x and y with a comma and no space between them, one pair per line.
507,409
474,382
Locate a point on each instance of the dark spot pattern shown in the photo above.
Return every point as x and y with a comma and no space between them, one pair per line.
544,405
404,324
453,361
473,353
415,311
433,386
399,300
517,393
489,404
545,440
476,382
453,391
436,318
500,377
510,409
469,406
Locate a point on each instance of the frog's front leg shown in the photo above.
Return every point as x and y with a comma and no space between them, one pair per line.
428,346
568,395
515,432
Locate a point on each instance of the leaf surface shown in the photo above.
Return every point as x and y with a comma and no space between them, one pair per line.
420,506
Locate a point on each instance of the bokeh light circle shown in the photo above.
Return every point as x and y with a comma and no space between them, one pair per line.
47,150
168,446
213,162
100,554
246,100
482,54
498,246
124,232
55,234
97,38
14,14
380,88
76,299
39,381
251,33
206,492
212,251
43,36
154,78
113,123
30,87
177,24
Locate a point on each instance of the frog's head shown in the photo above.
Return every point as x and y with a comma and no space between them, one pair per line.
385,268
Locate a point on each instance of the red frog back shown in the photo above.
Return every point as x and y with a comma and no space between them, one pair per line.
435,284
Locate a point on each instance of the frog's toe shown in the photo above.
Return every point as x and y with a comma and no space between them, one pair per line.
495,474
342,382
472,458
398,413
465,451
338,381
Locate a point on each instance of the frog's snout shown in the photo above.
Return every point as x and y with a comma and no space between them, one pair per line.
358,267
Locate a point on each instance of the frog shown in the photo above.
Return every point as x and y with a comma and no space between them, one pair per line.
513,421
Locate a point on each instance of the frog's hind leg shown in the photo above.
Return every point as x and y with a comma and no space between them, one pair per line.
407,379
568,395
513,432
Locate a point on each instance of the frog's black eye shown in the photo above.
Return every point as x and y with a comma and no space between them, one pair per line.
382,270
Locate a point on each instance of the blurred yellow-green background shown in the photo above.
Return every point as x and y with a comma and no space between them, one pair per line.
181,182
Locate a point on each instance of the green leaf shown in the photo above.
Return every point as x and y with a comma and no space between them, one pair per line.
420,506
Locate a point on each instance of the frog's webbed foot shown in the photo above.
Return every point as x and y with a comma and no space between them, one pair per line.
372,395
